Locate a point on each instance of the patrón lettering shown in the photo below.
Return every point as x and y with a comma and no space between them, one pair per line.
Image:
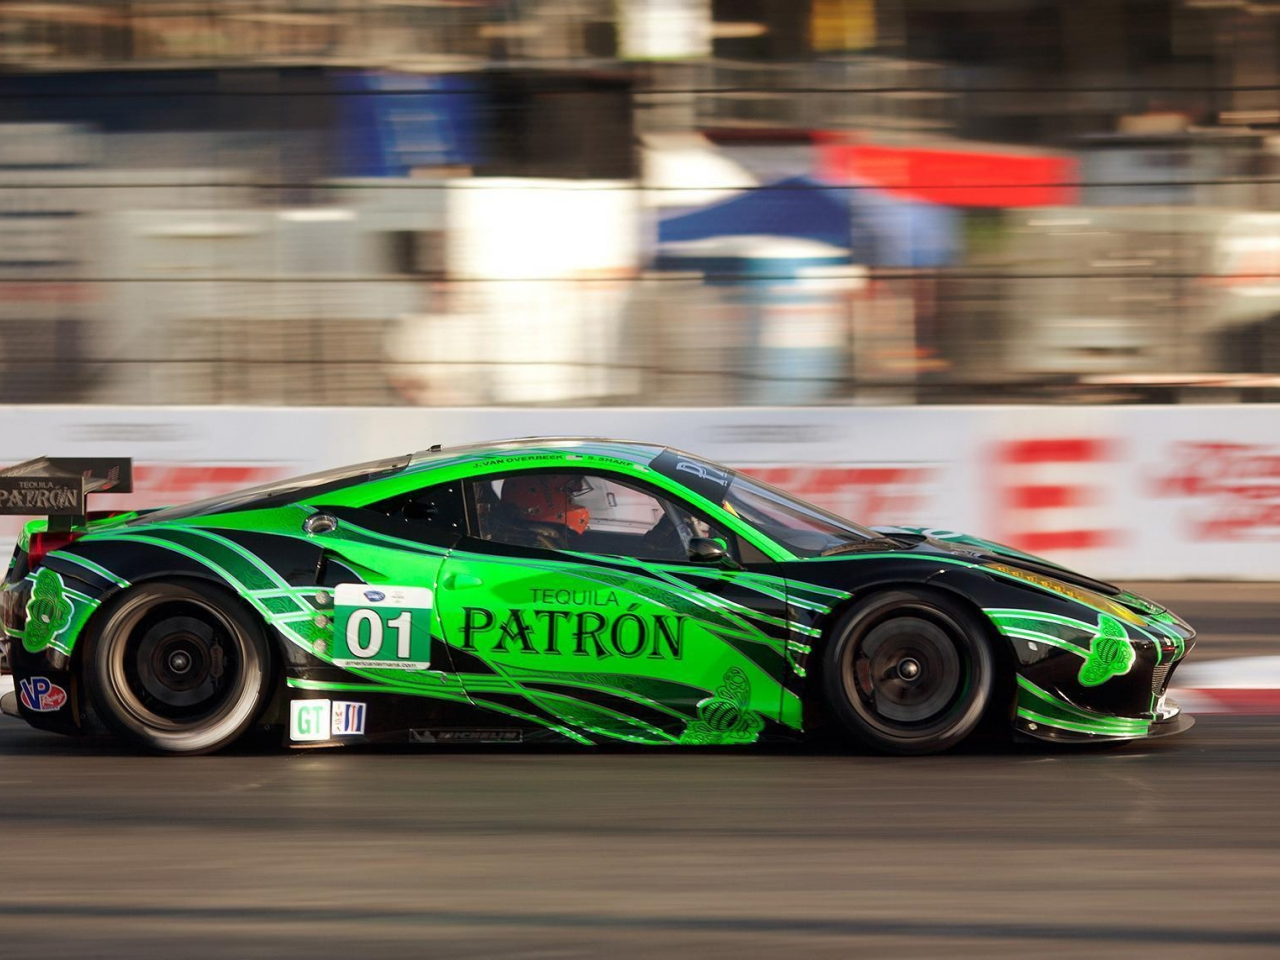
582,633
38,496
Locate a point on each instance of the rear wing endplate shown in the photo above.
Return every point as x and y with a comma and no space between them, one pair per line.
60,486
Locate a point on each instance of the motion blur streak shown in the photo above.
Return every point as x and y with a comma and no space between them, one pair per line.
492,852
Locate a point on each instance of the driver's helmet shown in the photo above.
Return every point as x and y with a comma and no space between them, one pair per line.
548,498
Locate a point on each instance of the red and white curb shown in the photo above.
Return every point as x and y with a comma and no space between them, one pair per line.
1250,685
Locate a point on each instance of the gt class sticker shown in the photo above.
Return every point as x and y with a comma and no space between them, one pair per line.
41,694
309,720
317,720
382,627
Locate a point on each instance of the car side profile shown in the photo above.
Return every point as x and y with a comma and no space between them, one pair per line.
572,589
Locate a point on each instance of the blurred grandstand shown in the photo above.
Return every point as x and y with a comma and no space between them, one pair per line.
676,202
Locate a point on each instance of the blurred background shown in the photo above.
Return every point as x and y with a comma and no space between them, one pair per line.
611,202
246,239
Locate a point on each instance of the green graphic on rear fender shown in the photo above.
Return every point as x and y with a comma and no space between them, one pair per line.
1111,654
48,611
454,629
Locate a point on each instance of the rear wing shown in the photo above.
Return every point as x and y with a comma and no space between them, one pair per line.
59,487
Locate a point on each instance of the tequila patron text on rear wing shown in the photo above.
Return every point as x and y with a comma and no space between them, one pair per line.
59,487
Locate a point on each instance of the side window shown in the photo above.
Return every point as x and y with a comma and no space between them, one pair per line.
439,507
587,513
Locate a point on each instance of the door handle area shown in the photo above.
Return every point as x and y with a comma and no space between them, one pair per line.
461,581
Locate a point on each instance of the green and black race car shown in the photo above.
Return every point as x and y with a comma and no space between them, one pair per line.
582,590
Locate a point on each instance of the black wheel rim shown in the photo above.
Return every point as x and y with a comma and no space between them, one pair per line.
180,664
907,674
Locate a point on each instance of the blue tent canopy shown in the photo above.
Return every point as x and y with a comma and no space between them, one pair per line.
877,229
796,207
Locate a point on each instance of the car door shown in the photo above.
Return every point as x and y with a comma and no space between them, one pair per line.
384,562
579,610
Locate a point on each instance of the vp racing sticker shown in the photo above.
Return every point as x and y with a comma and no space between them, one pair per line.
41,694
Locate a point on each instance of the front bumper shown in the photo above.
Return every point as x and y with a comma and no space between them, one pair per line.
1097,678
1101,729
1052,703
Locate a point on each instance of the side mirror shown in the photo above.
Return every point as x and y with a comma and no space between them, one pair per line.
707,550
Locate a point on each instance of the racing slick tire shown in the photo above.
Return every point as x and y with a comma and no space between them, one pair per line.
178,668
908,672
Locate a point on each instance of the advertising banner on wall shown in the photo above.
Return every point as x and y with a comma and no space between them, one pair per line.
1124,492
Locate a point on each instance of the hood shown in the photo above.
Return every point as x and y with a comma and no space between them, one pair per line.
987,552
976,548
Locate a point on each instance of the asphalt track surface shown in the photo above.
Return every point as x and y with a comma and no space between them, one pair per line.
1169,849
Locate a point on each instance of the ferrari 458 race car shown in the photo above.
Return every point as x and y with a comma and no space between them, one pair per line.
582,590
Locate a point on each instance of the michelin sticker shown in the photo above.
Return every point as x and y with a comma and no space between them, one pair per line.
382,627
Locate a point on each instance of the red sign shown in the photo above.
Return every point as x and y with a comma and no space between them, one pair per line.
1233,489
1048,493
957,178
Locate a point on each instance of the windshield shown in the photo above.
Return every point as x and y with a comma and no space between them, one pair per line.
280,492
806,530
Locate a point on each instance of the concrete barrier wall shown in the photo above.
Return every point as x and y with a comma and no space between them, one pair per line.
1172,492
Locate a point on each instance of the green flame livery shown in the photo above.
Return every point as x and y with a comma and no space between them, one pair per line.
585,590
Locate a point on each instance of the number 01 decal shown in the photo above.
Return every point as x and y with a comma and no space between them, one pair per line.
382,627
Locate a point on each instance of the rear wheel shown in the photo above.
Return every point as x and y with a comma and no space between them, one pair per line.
178,668
908,672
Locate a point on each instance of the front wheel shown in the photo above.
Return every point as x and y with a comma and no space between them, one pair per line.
178,668
908,672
